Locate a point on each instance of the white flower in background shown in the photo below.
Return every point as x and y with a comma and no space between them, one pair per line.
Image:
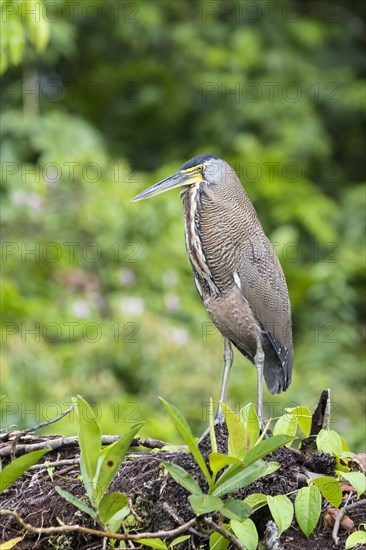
52,176
132,306
172,303
31,200
81,309
126,277
170,278
179,336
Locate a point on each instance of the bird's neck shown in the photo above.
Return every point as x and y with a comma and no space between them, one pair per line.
191,205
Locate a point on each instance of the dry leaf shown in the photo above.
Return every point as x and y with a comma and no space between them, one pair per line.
347,488
360,460
330,515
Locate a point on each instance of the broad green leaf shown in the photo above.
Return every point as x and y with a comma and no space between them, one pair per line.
358,537
237,437
308,504
271,467
183,477
219,461
218,542
113,459
212,427
329,441
256,501
109,505
38,26
204,504
239,479
89,436
114,523
246,532
330,489
185,431
304,417
236,509
282,511
286,424
249,417
265,447
345,447
90,485
76,502
8,545
16,39
357,480
178,540
153,543
17,467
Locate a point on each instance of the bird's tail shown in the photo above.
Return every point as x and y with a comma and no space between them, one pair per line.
276,374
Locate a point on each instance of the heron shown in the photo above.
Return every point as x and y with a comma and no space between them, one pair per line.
236,270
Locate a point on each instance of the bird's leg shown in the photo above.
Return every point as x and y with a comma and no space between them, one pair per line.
259,364
228,361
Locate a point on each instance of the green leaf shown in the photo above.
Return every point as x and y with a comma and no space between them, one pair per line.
236,509
256,501
38,26
329,441
357,480
330,489
76,502
204,504
218,542
178,540
286,424
219,461
9,544
114,523
345,447
303,416
183,477
271,467
238,480
237,437
249,417
308,504
246,532
17,467
265,447
88,484
185,431
282,511
358,537
109,505
89,437
112,459
153,543
212,427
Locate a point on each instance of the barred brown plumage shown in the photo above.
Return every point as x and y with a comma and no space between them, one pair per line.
235,268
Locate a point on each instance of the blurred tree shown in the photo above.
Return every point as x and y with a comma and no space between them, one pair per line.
98,293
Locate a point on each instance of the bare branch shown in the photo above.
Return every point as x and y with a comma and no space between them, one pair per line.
225,533
97,532
341,513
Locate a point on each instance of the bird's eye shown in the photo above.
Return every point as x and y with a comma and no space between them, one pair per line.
200,168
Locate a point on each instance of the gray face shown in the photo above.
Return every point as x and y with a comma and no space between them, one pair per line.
217,172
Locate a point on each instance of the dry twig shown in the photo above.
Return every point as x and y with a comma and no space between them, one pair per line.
340,515
97,532
229,536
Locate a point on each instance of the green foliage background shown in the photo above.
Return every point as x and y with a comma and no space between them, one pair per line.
102,99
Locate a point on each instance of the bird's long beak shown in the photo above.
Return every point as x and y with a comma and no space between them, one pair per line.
176,180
